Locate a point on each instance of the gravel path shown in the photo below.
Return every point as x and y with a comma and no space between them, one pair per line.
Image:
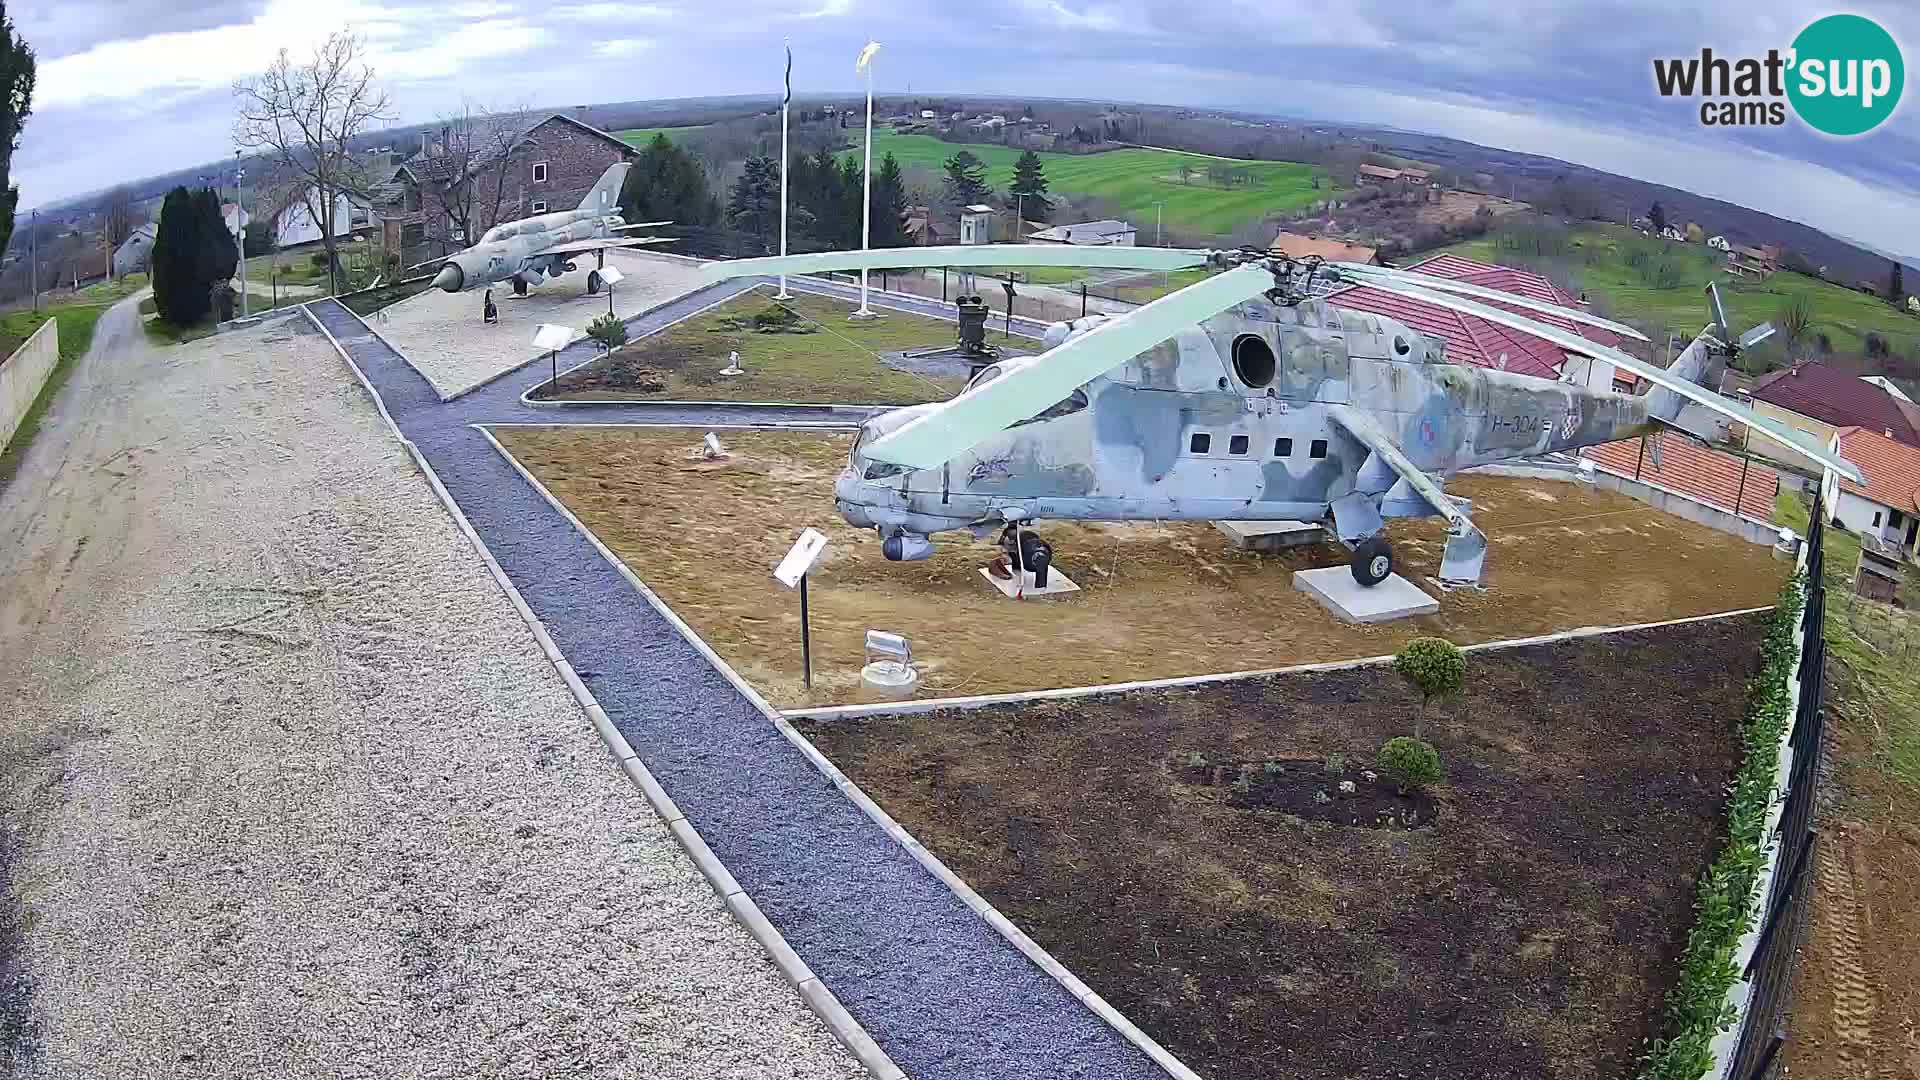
943,994
442,335
289,790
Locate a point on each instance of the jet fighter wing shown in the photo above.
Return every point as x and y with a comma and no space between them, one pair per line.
582,247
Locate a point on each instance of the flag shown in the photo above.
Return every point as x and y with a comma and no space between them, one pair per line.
788,100
866,57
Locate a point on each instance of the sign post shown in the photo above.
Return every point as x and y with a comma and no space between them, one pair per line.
612,276
792,572
550,338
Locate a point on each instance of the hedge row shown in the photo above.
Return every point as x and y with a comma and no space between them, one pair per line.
1697,1007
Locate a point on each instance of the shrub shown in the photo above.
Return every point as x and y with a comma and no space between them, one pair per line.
773,318
1336,765
1413,763
1435,667
610,333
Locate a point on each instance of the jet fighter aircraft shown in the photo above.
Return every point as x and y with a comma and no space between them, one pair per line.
1244,397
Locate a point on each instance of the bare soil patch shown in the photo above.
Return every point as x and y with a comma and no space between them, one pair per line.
821,357
1530,931
1156,599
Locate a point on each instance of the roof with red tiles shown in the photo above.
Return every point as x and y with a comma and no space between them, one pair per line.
1469,338
1695,471
1831,396
1892,468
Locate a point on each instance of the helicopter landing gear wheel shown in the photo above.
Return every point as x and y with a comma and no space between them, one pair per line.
519,285
1372,562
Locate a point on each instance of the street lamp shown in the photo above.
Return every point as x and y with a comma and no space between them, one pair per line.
240,229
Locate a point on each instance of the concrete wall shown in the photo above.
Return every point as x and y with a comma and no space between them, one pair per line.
23,374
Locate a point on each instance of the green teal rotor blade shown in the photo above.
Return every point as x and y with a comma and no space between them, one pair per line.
973,255
1028,385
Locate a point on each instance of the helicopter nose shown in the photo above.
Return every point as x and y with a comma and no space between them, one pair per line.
450,278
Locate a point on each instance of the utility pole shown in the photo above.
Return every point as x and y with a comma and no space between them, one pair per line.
1158,236
33,246
240,230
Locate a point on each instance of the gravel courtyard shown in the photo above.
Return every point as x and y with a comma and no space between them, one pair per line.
442,335
288,789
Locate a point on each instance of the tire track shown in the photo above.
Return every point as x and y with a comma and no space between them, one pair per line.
1853,993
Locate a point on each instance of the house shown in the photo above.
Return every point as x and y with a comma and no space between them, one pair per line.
1754,262
1719,243
1414,176
236,218
976,224
924,229
1818,399
1671,233
1377,174
1299,246
1887,506
132,254
299,222
1106,232
1470,339
926,114
1888,385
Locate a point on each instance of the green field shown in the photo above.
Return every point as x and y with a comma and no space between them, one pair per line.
1597,258
1133,181
643,136
76,321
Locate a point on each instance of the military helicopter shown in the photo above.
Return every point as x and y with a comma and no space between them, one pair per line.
544,245
1245,397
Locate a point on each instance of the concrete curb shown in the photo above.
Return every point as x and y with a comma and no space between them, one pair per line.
820,999
981,701
927,860
616,403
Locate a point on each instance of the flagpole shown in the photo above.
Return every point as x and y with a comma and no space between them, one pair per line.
786,103
866,183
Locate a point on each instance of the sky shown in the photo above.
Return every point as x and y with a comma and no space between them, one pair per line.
130,88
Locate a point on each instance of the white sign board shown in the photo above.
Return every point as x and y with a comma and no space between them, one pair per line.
806,551
551,337
612,275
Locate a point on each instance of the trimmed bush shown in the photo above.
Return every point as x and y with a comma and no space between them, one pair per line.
1412,763
1433,666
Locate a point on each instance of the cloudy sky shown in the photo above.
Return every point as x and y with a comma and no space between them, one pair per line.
135,87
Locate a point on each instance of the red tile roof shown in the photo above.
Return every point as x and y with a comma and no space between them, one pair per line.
1695,471
1471,339
1892,468
1832,396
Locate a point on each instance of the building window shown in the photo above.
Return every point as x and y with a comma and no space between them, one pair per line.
1200,442
539,172
1283,448
1894,520
1318,449
1237,444
539,206
1876,519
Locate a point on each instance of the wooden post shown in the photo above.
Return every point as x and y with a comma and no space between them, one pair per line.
1744,462
1641,456
553,358
806,638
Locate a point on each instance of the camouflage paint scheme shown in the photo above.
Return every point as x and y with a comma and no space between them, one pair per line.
543,245
1349,423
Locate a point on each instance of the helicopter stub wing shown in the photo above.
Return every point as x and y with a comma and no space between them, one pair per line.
1659,376
1115,258
1379,275
1026,386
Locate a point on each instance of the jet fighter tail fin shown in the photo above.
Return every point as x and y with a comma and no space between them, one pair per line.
605,196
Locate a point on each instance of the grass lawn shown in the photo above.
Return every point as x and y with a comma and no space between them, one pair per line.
1598,259
1133,180
76,334
643,136
833,360
165,333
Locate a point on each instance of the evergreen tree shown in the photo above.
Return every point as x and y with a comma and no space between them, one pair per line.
847,195
217,258
1030,183
667,184
825,201
966,180
889,205
1897,282
1658,215
178,293
16,103
754,204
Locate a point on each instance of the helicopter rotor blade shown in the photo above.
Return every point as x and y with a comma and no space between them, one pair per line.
1026,386
1659,376
1373,274
1116,258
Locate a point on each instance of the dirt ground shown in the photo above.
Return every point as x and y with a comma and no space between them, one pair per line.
1531,931
823,358
1156,600
1454,207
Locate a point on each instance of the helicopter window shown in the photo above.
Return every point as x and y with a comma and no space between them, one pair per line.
1237,444
1318,449
1200,442
1253,360
880,470
1283,448
984,376
1066,406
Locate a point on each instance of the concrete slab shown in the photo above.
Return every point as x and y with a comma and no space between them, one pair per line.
1271,535
1394,598
1057,583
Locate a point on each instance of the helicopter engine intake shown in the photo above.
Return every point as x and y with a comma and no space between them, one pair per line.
906,547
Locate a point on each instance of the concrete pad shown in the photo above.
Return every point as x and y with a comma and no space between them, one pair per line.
1394,598
1057,583
1271,535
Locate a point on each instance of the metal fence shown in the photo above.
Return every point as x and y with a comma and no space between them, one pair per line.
1783,912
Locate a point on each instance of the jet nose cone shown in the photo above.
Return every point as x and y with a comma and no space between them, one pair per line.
450,278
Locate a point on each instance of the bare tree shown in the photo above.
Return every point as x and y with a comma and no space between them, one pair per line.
119,216
306,116
466,171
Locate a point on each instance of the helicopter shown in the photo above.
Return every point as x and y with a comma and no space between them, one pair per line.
1247,397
